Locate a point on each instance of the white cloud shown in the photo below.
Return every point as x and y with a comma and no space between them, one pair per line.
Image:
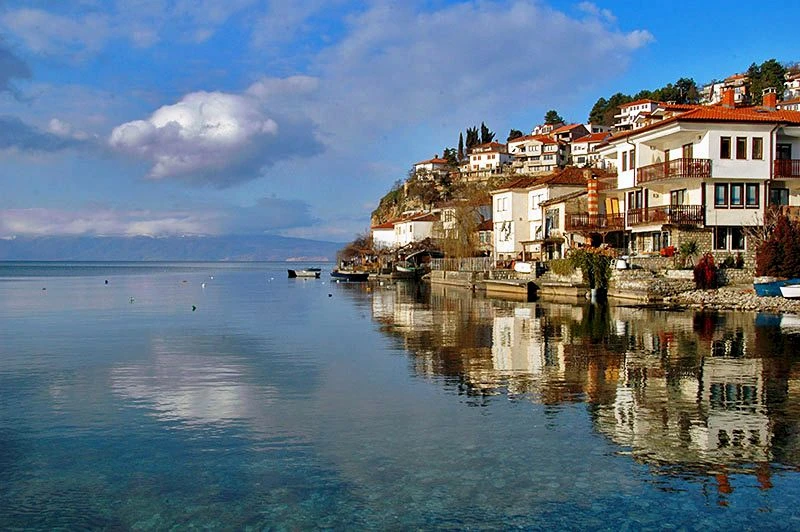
267,215
105,222
48,33
215,138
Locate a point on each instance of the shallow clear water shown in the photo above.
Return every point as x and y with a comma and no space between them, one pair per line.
296,404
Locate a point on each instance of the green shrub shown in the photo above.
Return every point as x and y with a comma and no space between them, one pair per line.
561,267
595,263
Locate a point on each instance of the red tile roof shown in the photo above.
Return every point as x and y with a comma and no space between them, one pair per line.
489,147
435,160
637,102
385,225
544,139
592,137
564,129
720,114
571,175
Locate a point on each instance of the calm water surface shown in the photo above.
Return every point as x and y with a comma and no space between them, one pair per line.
300,404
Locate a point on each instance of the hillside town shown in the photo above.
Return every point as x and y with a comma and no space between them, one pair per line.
664,174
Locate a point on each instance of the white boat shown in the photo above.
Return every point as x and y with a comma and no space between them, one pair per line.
309,272
791,291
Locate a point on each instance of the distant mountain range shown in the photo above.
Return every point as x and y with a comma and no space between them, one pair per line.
189,248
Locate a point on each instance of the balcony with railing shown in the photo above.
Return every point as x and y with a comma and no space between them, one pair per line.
677,168
786,168
667,214
594,223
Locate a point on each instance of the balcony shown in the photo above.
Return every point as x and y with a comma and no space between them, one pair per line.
667,215
595,223
678,168
786,168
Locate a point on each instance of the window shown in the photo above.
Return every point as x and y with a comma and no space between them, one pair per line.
751,195
741,147
677,197
720,195
551,219
688,151
624,162
724,147
632,159
501,204
779,196
720,238
736,195
737,238
758,148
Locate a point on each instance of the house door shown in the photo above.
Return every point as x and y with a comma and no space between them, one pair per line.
688,151
783,152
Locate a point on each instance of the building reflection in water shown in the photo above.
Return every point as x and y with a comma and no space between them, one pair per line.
685,392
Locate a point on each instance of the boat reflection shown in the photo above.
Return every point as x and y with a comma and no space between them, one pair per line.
680,391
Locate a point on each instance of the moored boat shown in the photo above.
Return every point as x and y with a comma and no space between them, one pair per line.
771,286
308,272
349,275
791,291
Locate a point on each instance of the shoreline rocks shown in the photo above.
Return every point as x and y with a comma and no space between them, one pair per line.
733,298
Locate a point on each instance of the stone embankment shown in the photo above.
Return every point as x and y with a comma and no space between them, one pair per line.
733,298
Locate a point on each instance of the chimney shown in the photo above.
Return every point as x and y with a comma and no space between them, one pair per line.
769,98
592,199
728,98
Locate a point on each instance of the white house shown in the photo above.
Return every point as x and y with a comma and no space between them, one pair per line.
414,228
791,87
432,167
383,236
536,154
629,112
705,174
488,159
582,150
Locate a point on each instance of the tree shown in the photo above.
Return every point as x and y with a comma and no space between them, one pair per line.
472,138
768,74
597,112
486,135
552,117
514,134
460,146
451,156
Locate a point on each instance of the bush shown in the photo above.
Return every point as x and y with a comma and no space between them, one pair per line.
705,273
779,254
595,263
688,249
729,262
561,267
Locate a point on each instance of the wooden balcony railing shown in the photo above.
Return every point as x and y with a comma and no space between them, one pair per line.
667,214
674,169
786,168
595,223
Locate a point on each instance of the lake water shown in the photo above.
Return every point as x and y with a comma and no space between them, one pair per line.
228,396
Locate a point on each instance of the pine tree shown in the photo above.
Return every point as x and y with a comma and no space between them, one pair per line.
460,146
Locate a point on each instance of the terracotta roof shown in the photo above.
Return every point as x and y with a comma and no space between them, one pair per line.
571,175
418,217
435,160
544,139
592,137
790,101
563,129
563,198
385,225
637,102
720,114
490,146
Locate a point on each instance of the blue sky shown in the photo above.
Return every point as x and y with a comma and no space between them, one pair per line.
164,117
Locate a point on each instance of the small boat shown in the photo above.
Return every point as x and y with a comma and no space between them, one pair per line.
349,275
771,286
308,272
791,291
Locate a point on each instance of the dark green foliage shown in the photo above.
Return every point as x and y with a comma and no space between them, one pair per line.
705,273
451,156
595,263
460,146
472,138
552,117
683,91
515,134
767,74
486,135
779,255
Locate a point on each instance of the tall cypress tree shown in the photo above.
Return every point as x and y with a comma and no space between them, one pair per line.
460,146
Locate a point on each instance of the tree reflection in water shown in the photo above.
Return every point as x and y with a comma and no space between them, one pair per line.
685,392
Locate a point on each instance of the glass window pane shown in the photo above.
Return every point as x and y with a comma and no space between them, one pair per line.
720,238
736,194
737,238
725,148
720,195
752,195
